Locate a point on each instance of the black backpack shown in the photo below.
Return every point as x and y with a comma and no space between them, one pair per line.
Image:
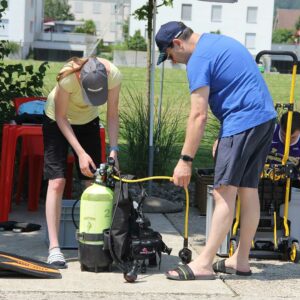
132,243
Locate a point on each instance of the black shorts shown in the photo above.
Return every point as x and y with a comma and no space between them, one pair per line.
240,158
56,147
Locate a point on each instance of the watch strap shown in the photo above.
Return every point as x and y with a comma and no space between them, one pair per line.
185,157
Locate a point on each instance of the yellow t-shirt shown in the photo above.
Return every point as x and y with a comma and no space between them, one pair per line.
78,111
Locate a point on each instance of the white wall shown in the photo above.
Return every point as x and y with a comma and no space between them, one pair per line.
23,21
233,21
108,15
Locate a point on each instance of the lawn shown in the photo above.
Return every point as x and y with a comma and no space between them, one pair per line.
175,90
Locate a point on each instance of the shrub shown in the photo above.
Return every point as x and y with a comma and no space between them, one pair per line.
211,132
88,27
134,129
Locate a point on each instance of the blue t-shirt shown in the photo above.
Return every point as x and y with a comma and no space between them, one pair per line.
238,97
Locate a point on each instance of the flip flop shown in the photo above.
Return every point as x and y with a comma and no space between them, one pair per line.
8,225
184,273
219,267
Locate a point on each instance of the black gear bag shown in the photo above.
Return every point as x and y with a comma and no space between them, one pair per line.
132,243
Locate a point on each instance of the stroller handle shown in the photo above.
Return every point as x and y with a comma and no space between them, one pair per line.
269,52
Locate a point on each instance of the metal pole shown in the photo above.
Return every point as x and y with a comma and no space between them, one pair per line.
161,94
151,103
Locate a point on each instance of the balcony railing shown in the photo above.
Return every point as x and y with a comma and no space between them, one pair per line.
73,38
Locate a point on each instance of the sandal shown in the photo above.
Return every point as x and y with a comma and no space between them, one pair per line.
56,258
219,267
184,273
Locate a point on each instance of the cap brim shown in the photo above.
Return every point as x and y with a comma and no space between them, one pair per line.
162,57
95,99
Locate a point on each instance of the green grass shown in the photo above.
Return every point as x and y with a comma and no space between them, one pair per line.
175,89
175,82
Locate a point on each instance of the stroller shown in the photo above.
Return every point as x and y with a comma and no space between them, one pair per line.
273,239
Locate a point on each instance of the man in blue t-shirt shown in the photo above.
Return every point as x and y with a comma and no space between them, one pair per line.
222,75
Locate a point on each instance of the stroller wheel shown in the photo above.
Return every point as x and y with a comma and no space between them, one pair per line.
295,252
232,247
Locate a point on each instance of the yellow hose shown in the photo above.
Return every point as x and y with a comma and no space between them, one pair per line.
187,198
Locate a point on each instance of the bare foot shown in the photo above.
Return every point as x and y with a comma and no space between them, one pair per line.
231,262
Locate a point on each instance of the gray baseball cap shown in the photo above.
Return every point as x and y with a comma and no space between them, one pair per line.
93,78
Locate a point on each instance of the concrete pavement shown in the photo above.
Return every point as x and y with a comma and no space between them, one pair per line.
271,279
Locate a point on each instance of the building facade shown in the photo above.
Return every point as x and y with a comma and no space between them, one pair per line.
248,21
108,16
22,22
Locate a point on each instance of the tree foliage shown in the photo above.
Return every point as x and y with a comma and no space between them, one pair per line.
88,27
297,25
57,10
146,12
16,80
125,30
281,36
137,42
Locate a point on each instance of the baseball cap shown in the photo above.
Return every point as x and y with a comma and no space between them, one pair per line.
93,79
164,37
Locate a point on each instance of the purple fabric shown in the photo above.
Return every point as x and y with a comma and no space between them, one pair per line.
277,149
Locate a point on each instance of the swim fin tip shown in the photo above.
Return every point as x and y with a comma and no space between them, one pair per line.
12,263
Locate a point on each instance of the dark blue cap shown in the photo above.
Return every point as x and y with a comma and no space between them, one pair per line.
164,37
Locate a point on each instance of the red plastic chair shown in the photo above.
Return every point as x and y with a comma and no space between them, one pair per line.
32,153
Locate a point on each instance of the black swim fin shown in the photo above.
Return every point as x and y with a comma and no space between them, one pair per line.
12,263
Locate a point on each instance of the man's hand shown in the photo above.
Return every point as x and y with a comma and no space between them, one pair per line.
182,173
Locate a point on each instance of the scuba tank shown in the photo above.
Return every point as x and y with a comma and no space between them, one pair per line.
95,220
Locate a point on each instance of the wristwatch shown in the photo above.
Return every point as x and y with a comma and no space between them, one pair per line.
186,157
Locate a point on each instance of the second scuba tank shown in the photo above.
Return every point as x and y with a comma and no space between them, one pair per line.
95,219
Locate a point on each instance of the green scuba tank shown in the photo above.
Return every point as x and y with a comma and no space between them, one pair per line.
96,210
96,207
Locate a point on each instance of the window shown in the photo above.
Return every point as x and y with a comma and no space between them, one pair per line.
113,8
97,8
66,29
31,27
78,7
216,13
98,25
250,40
186,12
252,15
4,24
